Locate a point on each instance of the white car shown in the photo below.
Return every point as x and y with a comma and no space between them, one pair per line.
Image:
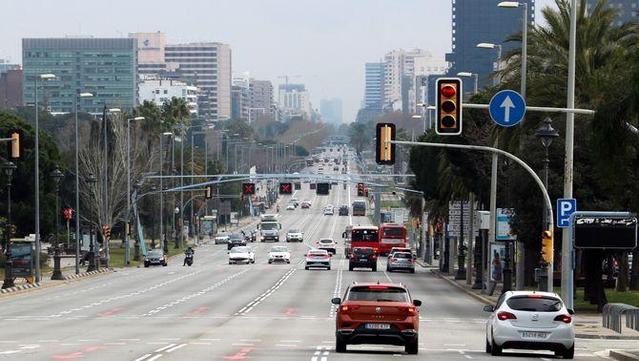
530,320
222,239
279,254
327,244
294,235
328,210
290,207
241,254
318,258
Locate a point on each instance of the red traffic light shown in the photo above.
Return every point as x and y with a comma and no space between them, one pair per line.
248,188
448,91
449,106
286,188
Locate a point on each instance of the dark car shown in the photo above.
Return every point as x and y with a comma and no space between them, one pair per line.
362,257
236,239
343,211
155,257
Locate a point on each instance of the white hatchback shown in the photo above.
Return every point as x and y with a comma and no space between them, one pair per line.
530,320
241,254
279,254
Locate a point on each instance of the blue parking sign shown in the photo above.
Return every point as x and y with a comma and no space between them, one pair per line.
565,208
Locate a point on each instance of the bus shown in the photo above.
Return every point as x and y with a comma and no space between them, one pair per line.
392,235
365,236
359,208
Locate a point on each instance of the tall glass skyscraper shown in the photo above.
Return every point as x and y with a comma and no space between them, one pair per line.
481,21
104,67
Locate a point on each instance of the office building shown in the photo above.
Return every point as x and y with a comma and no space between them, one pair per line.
207,66
331,110
477,22
103,66
628,9
261,100
294,100
150,52
374,88
240,98
10,85
159,91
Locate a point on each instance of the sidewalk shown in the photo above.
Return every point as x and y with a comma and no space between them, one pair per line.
587,325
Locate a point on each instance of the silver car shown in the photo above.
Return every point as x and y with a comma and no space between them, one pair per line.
530,320
400,261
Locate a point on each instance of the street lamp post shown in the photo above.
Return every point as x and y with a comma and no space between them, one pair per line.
163,239
8,168
468,75
524,38
546,133
105,178
57,176
127,225
77,184
37,173
91,181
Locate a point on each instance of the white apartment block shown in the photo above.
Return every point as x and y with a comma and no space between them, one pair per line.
160,91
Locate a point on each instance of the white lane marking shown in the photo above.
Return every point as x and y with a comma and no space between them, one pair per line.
165,347
130,339
170,339
155,357
250,340
201,343
242,344
210,339
176,348
248,308
388,277
143,357
290,341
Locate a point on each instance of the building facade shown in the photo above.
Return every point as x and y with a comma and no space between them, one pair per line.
331,110
240,98
150,52
477,22
374,86
294,100
10,85
208,67
160,91
628,9
261,100
102,66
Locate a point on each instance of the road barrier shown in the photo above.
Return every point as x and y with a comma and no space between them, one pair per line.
612,313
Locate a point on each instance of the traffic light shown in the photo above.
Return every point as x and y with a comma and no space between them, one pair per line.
360,189
15,146
547,251
286,188
208,192
323,188
385,151
449,106
248,188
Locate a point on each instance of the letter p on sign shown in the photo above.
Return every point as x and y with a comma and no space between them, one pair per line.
565,208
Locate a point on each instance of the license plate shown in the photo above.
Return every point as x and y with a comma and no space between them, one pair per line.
377,326
533,335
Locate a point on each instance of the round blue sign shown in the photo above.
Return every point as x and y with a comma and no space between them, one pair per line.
507,108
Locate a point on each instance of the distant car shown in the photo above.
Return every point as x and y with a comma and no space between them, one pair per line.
279,254
318,258
328,210
378,314
336,168
343,210
294,235
222,239
530,320
235,239
241,254
295,202
155,257
328,244
362,257
290,207
306,204
401,261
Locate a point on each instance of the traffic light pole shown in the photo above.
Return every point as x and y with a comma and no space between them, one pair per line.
497,151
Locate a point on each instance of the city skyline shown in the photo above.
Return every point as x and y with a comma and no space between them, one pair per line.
335,68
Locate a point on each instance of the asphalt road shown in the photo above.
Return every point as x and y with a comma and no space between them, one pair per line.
217,311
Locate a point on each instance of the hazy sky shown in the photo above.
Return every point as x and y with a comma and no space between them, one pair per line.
324,42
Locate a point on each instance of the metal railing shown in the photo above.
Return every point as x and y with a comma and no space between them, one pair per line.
612,313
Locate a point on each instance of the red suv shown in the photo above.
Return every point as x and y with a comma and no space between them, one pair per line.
373,313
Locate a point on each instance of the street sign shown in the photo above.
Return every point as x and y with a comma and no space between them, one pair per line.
565,208
507,108
503,231
601,231
286,188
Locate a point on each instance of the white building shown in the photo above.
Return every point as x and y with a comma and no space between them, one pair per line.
159,91
294,100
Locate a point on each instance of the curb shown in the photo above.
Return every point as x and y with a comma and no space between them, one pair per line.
85,274
479,298
589,336
20,288
623,355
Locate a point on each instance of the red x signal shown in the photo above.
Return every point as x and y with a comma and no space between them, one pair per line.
248,188
286,188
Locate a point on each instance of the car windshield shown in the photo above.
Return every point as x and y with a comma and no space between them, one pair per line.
325,241
318,253
378,294
156,253
363,251
279,249
236,237
239,250
402,255
294,231
534,303
269,226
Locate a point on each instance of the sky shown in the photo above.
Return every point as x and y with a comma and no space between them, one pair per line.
321,43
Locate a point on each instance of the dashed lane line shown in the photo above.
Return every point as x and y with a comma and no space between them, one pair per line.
249,307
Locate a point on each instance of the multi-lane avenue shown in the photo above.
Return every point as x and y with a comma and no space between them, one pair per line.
217,311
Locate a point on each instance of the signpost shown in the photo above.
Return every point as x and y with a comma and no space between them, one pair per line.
507,108
565,208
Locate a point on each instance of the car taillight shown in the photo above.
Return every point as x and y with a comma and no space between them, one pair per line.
374,256
346,308
410,310
564,318
506,316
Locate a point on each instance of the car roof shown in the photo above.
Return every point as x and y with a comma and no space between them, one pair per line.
315,250
528,293
366,284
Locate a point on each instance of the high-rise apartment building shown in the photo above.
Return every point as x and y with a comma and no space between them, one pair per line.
374,88
150,52
261,99
10,85
331,110
483,21
103,66
628,9
294,100
160,91
208,66
240,98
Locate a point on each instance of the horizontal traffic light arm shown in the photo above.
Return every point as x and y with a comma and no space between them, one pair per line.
537,109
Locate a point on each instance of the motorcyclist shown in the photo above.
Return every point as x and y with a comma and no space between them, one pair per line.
188,253
277,207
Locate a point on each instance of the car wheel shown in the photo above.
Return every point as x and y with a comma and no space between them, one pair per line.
328,268
488,348
269,261
164,264
340,345
412,270
495,350
374,269
567,354
306,268
230,262
146,265
288,261
412,347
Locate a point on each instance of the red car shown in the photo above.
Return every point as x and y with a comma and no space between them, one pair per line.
373,313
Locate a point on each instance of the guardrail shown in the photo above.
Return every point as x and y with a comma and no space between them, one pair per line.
612,313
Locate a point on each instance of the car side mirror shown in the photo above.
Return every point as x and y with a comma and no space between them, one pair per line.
417,303
489,308
336,301
571,311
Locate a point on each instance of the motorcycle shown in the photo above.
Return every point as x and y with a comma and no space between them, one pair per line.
189,259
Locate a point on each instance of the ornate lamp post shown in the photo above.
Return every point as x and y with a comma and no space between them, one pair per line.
91,180
8,168
57,176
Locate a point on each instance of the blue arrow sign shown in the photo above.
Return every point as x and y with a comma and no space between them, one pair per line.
507,108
